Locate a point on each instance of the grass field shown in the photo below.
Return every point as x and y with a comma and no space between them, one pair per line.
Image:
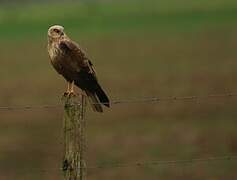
109,18
142,49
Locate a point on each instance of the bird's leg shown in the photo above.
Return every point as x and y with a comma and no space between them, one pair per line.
68,89
71,89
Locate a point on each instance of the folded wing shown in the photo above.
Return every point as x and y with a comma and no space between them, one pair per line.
78,68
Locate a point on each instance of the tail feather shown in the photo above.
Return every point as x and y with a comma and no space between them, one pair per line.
102,96
95,104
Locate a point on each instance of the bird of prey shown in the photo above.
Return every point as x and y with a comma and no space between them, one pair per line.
70,61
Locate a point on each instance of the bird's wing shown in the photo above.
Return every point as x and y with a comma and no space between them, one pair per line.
77,56
85,76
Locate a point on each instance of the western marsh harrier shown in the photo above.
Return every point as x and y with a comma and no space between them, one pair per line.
71,62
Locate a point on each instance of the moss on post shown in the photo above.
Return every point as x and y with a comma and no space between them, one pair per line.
74,138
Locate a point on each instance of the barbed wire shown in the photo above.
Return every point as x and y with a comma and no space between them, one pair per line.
132,100
164,162
28,107
175,98
139,164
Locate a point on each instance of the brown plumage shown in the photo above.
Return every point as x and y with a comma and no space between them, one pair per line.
71,62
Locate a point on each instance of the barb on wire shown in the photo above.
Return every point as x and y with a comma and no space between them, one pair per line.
174,98
29,107
134,100
164,163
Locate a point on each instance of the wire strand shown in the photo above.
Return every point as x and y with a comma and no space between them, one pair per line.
140,164
174,98
167,162
28,107
128,101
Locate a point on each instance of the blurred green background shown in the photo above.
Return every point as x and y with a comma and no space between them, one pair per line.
139,49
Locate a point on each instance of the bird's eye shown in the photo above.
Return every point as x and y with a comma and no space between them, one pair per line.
56,30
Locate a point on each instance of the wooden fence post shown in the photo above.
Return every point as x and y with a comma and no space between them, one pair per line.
74,166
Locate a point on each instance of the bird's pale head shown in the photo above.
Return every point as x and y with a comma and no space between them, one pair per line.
56,32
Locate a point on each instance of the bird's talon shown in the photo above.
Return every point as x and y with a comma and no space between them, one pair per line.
72,94
66,94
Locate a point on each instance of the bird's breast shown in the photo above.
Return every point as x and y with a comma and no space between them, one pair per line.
54,52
